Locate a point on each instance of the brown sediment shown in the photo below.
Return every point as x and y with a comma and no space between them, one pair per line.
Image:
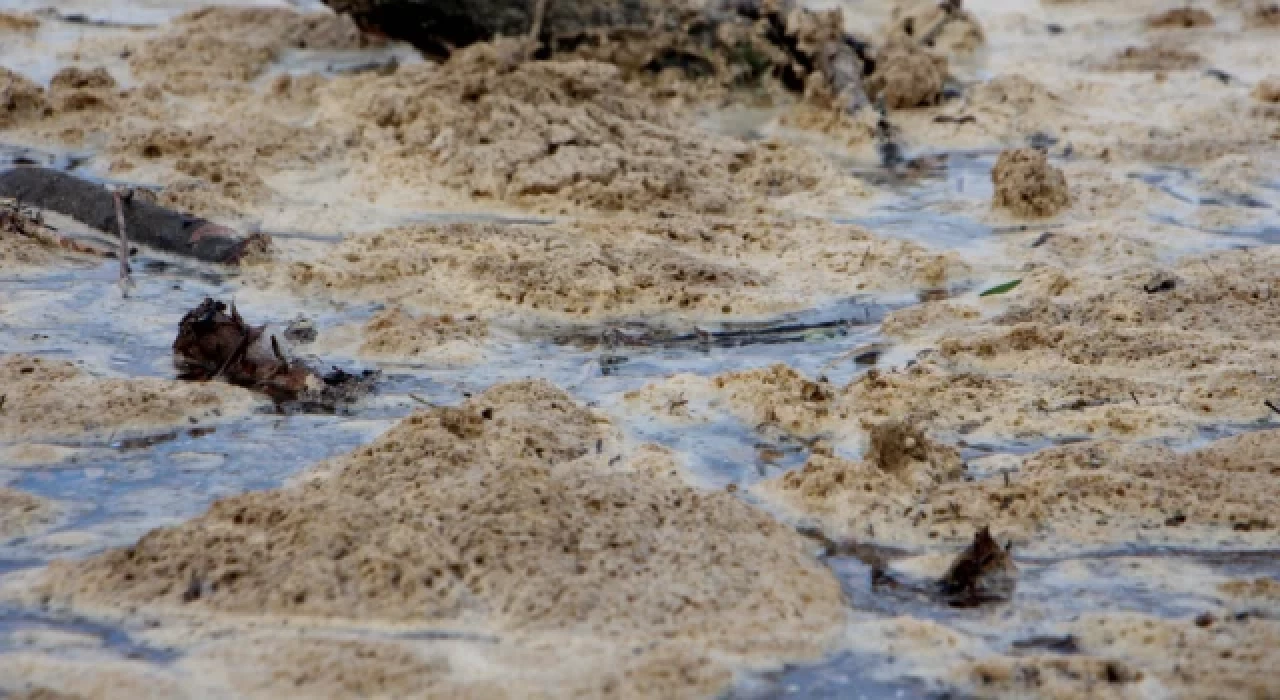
1268,89
1181,18
77,78
20,99
18,22
55,399
22,513
1027,185
235,44
503,515
1153,58
50,677
1262,14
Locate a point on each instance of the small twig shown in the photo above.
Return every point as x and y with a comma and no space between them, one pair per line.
419,399
950,9
125,280
2,400
275,349
1135,398
535,26
1268,403
249,336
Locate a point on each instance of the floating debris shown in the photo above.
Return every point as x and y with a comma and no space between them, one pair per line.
215,342
1160,282
983,573
149,224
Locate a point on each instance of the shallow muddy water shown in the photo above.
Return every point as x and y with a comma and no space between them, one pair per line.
660,377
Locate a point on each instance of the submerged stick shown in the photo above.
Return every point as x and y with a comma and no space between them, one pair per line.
125,280
151,224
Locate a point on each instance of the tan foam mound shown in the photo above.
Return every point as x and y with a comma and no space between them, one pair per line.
486,267
18,22
22,513
509,511
1153,58
907,76
75,77
1062,499
1262,14
1201,336
340,668
778,396
1027,185
20,99
1268,89
557,136
24,241
1133,655
696,267
927,317
395,334
954,33
1108,494
1181,18
315,664
873,498
48,399
236,44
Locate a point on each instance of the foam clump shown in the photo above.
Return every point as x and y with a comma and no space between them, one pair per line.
1027,185
52,398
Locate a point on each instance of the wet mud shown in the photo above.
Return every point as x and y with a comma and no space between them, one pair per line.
686,387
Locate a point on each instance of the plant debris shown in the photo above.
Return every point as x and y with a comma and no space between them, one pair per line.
215,342
982,573
1160,282
1000,288
1066,644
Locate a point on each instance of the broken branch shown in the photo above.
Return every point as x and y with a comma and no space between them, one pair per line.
125,280
151,224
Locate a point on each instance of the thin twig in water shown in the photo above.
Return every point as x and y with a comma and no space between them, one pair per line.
535,25
950,10
419,399
249,336
125,280
275,349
